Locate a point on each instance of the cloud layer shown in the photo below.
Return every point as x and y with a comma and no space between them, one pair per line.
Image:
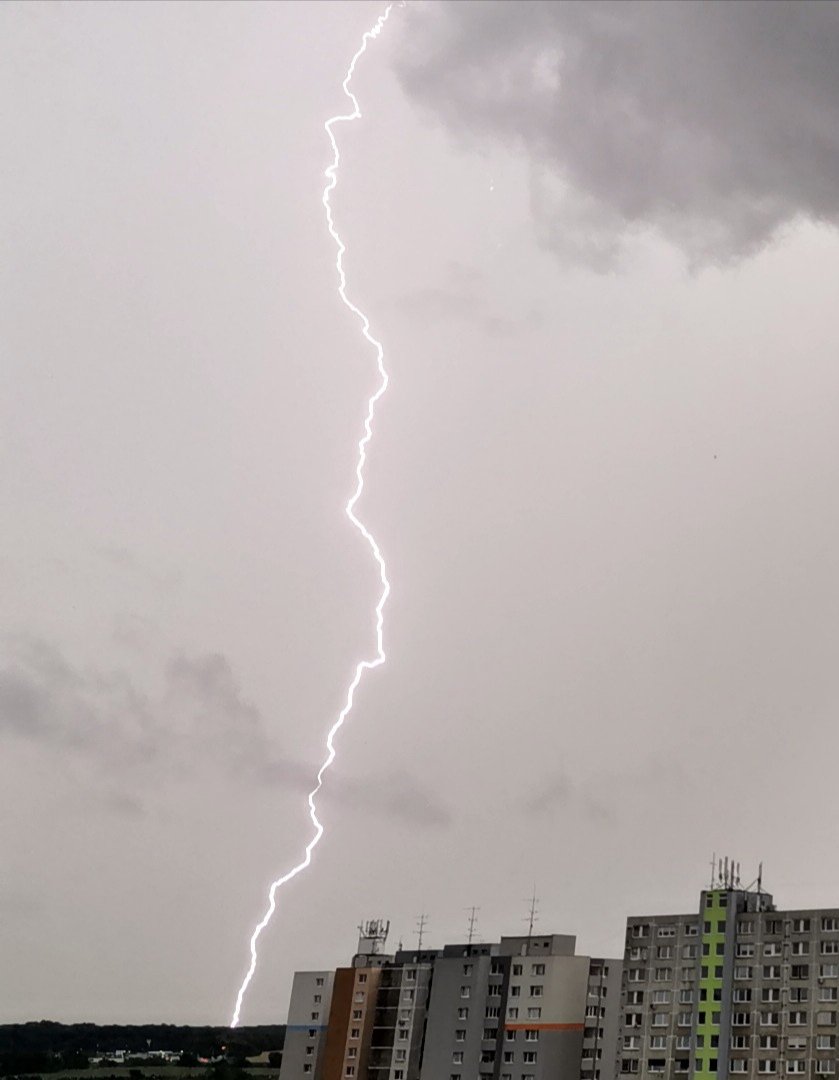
715,124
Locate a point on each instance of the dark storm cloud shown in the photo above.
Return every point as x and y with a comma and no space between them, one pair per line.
713,123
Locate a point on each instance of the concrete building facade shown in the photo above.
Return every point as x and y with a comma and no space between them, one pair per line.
308,1013
736,989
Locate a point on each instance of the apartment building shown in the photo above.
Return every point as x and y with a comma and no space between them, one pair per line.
736,989
308,1012
526,1008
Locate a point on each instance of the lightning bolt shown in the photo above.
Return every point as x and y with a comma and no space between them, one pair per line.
379,658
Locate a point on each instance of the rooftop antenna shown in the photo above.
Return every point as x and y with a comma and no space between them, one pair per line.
473,919
422,921
533,915
713,867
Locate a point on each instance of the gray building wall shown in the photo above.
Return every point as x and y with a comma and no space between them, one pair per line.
308,1014
464,985
602,1020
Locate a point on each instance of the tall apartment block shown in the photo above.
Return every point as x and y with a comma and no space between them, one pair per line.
736,988
525,1008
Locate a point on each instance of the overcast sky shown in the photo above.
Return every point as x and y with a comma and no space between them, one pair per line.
598,242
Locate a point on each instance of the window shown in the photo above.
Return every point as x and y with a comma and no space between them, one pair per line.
796,1042
315,1015
664,952
770,994
629,1065
745,949
352,1052
825,1042
799,1066
536,990
772,948
828,993
355,1033
689,952
742,971
683,1042
830,924
691,930
467,969
660,1019
536,1013
770,1019
465,991
828,971
774,926
771,971
797,1018
745,926
362,978
684,1019
640,930
800,948
531,1035
460,1035
517,969
741,1019
529,1057
801,926
663,974
739,1042
632,1042
356,1014
825,1066
738,1066
799,993
667,931
826,1018
538,969
686,997
463,1013
513,1013
767,1065
742,995
637,975
661,997
768,1042
800,971
658,1042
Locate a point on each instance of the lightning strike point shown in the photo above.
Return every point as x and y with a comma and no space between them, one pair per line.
378,659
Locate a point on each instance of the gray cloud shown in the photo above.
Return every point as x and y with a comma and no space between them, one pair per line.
202,715
559,792
715,124
462,297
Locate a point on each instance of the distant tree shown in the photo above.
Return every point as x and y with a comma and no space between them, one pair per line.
275,1059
